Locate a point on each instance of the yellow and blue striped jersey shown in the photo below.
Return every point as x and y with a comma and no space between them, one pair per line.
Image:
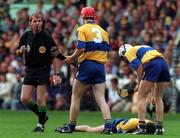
141,54
129,125
95,41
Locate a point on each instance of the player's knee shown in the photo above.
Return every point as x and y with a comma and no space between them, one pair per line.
24,100
157,100
40,101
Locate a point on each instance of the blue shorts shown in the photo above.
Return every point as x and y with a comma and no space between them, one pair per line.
91,72
156,71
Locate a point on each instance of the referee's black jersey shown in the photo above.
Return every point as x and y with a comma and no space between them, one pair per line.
38,48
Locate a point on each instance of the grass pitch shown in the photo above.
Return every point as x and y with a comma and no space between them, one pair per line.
19,124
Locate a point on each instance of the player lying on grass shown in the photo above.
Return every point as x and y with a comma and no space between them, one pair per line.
120,125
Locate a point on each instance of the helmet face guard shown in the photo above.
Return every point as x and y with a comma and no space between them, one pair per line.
123,49
123,52
87,12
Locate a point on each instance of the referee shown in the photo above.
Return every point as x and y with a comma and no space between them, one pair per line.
38,48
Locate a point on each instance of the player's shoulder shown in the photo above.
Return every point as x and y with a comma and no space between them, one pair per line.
80,28
102,30
99,27
135,47
134,119
145,46
86,26
141,47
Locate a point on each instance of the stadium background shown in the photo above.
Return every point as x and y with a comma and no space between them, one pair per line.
152,22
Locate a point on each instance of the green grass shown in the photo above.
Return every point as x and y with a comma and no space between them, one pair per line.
18,124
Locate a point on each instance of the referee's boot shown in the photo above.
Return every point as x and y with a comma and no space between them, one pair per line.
64,129
39,128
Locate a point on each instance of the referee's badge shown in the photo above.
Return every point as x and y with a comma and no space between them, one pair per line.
42,49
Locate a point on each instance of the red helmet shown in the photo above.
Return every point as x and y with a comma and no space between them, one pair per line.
87,12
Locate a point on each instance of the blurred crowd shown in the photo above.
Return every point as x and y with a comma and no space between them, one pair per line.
152,22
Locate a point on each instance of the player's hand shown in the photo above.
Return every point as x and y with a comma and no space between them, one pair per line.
68,60
56,80
23,49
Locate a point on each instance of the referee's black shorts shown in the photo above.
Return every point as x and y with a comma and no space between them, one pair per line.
37,76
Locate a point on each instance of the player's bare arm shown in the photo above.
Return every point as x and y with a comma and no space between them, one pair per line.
56,66
74,56
140,72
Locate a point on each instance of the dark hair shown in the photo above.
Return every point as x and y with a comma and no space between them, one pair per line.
150,128
88,18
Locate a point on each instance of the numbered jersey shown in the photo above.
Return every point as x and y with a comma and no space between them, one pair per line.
95,41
